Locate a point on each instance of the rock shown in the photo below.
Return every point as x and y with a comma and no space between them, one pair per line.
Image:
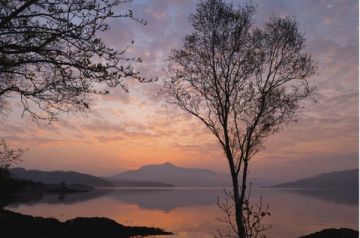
334,233
15,225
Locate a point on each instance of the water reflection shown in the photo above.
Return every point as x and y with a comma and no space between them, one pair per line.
193,213
166,199
171,198
346,196
62,198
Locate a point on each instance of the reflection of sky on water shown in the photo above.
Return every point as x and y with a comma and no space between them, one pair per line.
350,197
192,212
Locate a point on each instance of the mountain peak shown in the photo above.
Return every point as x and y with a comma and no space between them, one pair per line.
178,176
168,164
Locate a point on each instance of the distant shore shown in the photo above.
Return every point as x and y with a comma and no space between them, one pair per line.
20,190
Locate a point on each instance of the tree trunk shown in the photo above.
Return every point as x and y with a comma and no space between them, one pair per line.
237,199
242,193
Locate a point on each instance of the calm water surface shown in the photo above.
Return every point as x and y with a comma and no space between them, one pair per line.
192,212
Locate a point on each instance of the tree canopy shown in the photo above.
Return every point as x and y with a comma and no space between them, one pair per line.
243,81
51,55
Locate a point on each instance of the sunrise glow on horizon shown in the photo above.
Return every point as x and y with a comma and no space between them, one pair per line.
128,130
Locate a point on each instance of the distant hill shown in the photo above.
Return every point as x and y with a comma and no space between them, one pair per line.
56,177
171,174
347,179
138,183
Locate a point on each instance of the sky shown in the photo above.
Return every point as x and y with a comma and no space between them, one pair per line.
127,130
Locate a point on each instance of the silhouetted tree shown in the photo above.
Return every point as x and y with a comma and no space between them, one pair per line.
8,157
253,216
51,55
242,81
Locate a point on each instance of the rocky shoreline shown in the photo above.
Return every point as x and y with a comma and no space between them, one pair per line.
15,225
334,233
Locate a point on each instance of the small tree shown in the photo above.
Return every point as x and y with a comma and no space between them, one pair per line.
243,82
51,56
8,157
253,216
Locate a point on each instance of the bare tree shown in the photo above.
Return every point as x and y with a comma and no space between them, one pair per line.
8,157
52,57
253,216
242,81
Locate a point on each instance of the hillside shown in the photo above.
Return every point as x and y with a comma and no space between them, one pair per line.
347,179
171,174
138,183
56,177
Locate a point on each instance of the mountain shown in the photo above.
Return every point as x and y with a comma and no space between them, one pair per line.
138,183
56,177
347,179
171,174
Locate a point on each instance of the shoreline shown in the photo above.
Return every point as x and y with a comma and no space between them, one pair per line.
333,233
92,227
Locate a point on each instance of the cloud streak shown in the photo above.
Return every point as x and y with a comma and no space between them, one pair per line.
129,130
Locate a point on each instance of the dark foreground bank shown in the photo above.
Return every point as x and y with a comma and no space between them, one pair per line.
15,225
334,233
21,190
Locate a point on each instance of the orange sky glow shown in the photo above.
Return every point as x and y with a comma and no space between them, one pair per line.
125,131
